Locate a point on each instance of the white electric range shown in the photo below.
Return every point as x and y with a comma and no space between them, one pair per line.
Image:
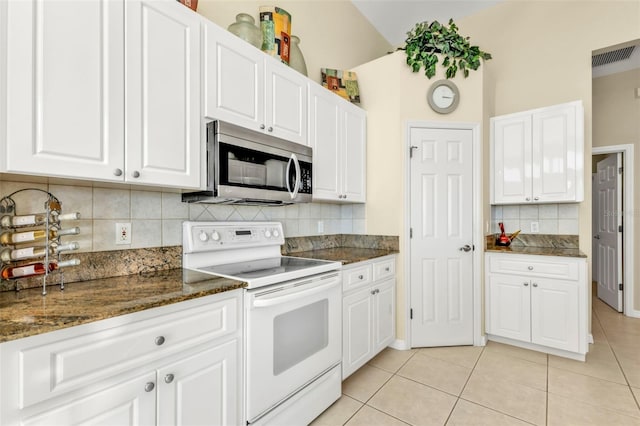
292,317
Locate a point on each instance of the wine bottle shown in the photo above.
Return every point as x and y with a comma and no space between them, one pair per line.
37,219
40,234
38,268
7,254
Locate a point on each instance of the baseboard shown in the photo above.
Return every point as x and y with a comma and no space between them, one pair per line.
590,338
401,345
481,341
634,313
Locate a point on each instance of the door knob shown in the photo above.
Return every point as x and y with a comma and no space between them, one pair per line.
466,247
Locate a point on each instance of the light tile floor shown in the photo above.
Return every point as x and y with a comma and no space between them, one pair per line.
500,384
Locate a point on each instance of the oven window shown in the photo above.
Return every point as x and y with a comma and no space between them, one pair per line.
299,334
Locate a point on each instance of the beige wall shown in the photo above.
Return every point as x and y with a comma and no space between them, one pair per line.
333,34
394,96
616,121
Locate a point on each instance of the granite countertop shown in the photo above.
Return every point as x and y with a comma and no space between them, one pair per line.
345,255
27,313
518,248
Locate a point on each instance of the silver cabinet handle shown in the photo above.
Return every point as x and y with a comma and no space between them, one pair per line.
530,268
526,284
262,126
360,277
149,386
536,198
160,340
344,196
373,292
387,269
135,174
527,199
270,129
168,378
465,248
535,285
117,172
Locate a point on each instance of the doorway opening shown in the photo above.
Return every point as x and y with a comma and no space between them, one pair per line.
625,255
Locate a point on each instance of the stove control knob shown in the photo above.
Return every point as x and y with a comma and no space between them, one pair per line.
267,233
215,235
276,233
203,236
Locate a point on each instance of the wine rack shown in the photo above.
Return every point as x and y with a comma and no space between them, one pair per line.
30,244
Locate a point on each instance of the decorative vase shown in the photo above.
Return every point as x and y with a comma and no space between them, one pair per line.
245,28
296,60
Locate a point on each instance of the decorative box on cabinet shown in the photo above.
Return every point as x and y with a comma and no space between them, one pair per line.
337,134
245,87
177,364
538,302
368,311
537,156
66,94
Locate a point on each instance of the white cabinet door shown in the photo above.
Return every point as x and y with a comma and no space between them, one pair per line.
201,389
555,317
509,310
554,161
233,78
129,403
285,102
325,139
163,142
357,333
65,88
354,127
511,156
384,328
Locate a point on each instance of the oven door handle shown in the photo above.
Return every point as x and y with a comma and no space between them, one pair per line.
296,187
276,300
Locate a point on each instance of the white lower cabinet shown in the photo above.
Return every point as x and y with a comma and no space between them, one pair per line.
538,302
178,364
368,311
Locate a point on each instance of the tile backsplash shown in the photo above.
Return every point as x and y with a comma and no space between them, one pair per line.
156,217
555,219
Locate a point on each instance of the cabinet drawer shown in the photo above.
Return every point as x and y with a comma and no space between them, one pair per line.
356,277
534,266
64,364
384,269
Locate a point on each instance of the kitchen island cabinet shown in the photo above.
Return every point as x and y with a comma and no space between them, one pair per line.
103,90
175,364
368,311
538,302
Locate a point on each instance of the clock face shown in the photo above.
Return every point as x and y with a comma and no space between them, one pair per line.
443,96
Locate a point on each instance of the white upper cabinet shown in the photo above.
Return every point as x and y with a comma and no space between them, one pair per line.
66,78
537,156
246,87
337,134
163,141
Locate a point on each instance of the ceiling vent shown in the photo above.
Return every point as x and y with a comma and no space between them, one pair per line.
613,56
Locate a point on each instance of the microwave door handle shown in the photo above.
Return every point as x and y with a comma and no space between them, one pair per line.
296,188
286,173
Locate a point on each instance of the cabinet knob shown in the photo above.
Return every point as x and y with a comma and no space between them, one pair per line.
536,198
373,292
149,386
117,172
135,174
159,340
262,126
360,277
168,378
530,268
387,269
535,285
526,284
270,129
527,199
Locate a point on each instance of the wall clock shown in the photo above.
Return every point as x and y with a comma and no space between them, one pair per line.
443,96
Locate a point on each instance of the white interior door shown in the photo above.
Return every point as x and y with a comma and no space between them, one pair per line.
441,245
608,187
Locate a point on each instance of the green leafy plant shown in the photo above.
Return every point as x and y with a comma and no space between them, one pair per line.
426,40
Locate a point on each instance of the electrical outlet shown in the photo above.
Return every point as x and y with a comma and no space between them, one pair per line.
320,227
123,233
535,227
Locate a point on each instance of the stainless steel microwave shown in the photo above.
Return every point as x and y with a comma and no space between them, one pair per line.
249,167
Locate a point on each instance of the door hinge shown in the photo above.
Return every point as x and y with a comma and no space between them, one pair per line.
473,247
411,148
620,170
619,228
410,232
620,286
411,312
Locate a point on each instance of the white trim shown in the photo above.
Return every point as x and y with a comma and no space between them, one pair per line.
590,339
540,348
627,229
478,237
401,345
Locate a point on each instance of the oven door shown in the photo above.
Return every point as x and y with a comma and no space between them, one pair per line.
292,337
